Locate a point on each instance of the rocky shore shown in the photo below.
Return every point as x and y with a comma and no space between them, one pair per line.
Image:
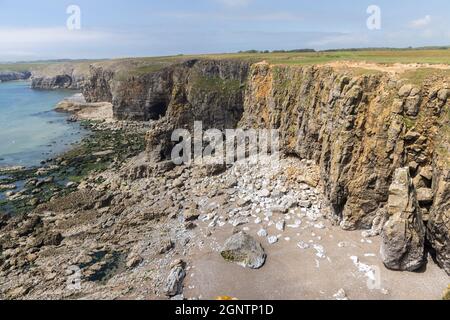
364,166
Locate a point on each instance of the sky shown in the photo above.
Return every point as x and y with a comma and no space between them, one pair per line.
35,30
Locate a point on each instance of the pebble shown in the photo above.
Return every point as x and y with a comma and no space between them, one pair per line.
341,295
281,226
272,240
319,225
264,193
320,251
343,244
262,233
303,245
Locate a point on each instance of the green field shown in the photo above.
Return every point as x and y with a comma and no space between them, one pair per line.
441,56
377,56
137,66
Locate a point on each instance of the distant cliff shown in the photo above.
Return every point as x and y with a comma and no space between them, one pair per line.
60,76
12,75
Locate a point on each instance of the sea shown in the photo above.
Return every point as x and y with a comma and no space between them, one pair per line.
30,130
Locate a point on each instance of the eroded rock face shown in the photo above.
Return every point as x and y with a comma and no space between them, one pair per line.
244,250
359,128
439,221
98,88
196,90
60,76
404,233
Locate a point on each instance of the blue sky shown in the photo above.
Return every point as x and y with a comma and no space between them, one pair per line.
31,30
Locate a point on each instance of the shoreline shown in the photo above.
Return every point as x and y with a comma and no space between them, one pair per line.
32,130
23,188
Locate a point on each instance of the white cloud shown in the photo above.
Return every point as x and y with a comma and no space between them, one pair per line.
421,23
340,40
235,3
273,16
53,42
26,37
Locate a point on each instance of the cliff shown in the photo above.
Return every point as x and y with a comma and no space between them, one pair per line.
359,125
12,75
60,76
360,128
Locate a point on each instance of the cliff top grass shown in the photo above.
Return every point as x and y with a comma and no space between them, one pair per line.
385,56
422,75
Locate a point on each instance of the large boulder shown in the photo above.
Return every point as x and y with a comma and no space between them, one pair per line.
174,282
244,250
404,233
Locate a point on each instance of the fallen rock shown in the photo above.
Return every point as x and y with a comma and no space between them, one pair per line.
341,295
446,294
281,225
133,261
5,187
174,282
405,90
166,246
244,250
425,195
264,193
209,167
305,203
427,172
191,214
262,233
29,226
378,224
404,233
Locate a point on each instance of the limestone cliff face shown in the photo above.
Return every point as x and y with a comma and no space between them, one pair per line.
98,86
60,76
360,127
202,90
439,220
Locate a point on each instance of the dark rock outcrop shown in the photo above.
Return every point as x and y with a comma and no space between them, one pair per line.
201,90
12,76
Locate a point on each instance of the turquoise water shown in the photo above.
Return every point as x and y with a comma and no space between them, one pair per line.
30,131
